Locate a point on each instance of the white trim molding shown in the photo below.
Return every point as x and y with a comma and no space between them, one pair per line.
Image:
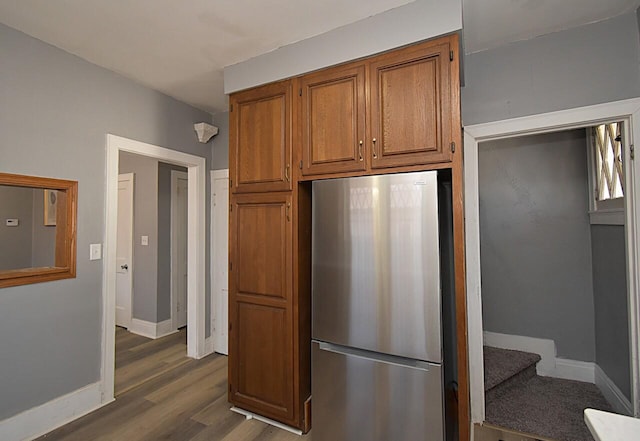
607,217
545,348
175,176
627,111
250,415
219,262
42,419
151,329
612,393
549,365
196,236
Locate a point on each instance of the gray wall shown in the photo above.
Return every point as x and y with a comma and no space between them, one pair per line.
43,243
15,242
587,65
145,223
220,148
416,21
56,111
610,300
535,240
164,240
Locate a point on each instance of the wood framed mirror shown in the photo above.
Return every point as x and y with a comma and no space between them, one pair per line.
37,229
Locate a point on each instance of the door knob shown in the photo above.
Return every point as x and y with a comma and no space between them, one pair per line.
124,267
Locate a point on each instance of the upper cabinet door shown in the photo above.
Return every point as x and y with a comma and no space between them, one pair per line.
333,120
260,139
411,106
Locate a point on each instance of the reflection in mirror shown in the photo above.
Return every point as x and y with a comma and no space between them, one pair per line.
37,229
28,229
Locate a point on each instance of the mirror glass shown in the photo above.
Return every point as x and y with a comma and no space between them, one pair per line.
28,228
37,229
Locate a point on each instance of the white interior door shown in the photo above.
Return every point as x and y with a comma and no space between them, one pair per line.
220,260
179,188
124,250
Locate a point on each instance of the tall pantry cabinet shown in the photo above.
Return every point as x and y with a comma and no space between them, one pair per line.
268,321
389,113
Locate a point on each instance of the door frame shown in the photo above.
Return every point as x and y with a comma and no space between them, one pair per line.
196,219
627,111
130,177
175,175
215,262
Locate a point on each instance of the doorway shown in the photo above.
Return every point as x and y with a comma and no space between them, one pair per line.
196,233
627,111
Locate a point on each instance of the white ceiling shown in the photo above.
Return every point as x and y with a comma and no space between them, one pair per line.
181,47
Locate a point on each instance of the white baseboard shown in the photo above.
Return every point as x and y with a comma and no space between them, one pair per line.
208,346
543,347
549,365
150,329
614,396
575,370
250,415
42,419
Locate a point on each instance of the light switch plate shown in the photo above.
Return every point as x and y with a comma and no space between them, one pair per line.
144,240
95,251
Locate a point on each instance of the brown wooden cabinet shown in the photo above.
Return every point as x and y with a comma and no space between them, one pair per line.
404,107
333,120
404,97
261,372
410,113
260,139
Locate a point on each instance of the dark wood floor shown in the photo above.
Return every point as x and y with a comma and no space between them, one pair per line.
163,395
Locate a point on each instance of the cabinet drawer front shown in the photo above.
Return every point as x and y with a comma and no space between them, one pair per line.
333,118
410,107
263,380
260,139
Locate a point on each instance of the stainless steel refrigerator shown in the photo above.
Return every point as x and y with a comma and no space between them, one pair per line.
376,309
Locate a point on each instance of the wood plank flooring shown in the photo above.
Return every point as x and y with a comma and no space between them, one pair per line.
163,395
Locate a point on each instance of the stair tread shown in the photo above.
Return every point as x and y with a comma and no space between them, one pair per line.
502,364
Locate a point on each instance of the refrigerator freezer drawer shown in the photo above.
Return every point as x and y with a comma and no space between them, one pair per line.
356,397
375,265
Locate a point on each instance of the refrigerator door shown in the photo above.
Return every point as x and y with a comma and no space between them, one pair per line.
357,397
375,270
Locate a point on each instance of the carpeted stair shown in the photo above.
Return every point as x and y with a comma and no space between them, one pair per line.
503,367
551,408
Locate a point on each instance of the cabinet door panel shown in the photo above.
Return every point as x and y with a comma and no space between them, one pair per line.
410,106
263,363
260,139
333,120
261,331
263,246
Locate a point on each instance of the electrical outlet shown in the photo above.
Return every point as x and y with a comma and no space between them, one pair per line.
144,240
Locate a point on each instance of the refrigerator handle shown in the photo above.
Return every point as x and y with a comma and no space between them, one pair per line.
376,356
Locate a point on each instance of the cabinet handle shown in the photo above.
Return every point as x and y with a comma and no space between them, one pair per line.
286,173
288,211
360,150
375,154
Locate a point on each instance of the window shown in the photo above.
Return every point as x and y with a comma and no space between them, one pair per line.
607,173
